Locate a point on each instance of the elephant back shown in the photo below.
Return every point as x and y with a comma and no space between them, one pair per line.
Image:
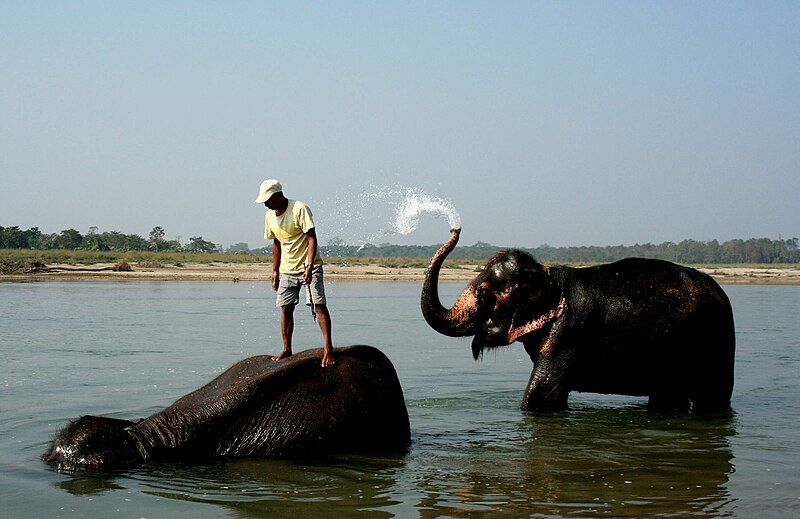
262,407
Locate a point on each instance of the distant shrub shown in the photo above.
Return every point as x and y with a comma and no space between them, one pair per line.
9,266
122,266
24,266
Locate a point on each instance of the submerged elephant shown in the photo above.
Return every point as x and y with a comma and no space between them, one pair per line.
258,407
634,327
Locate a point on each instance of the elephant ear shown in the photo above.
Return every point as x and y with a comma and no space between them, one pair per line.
537,291
539,301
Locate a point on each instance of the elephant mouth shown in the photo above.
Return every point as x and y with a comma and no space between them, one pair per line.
477,348
482,342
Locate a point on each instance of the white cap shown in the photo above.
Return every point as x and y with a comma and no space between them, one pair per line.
268,188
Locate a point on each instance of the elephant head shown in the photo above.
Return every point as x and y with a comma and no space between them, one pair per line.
94,442
512,298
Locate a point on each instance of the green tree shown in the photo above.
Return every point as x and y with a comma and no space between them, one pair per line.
69,239
238,247
173,245
157,238
198,244
15,238
93,241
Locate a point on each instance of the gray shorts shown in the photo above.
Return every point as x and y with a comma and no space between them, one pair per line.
290,286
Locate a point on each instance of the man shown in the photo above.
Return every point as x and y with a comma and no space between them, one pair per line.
290,226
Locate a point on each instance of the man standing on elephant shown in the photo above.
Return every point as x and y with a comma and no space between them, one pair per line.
296,262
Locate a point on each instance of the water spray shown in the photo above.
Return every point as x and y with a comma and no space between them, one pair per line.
407,205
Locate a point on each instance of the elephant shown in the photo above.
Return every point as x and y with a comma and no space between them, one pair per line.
257,408
640,327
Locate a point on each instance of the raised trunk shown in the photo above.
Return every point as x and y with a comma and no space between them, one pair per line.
457,321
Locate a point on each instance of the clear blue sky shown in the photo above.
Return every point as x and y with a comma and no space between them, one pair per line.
566,123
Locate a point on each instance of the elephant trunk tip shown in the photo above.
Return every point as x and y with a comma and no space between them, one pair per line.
456,321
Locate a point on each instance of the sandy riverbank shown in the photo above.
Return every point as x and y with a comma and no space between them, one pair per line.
261,272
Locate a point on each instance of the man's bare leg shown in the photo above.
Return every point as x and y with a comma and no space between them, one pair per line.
324,320
287,329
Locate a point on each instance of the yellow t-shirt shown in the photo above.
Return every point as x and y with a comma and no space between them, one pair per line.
290,230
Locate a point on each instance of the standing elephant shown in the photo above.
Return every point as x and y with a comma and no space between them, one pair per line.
634,327
258,407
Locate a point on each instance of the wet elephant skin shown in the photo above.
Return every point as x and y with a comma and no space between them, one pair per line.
258,407
639,327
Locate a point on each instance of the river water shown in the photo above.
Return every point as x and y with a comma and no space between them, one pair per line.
128,349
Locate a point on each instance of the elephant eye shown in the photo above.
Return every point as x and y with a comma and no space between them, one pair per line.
486,298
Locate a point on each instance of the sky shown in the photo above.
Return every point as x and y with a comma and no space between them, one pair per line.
561,123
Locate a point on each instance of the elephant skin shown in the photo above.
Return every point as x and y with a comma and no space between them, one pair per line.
633,327
258,407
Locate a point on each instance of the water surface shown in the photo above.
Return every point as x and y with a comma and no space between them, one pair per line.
128,349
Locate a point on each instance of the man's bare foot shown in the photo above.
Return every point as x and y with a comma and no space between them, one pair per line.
327,358
284,354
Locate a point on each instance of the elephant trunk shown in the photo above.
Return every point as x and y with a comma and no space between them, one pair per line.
459,320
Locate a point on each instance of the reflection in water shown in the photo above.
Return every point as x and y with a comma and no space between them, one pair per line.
88,483
336,486
590,462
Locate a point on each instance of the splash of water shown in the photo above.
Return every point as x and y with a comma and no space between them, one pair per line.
409,204
382,210
414,203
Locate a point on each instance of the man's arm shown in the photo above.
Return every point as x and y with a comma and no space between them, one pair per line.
312,253
276,263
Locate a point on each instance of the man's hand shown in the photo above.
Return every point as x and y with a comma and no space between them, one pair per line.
276,278
311,235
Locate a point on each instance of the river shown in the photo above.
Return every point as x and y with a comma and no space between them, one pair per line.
128,349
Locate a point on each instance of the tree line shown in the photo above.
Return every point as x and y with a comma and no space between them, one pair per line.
753,250
70,239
